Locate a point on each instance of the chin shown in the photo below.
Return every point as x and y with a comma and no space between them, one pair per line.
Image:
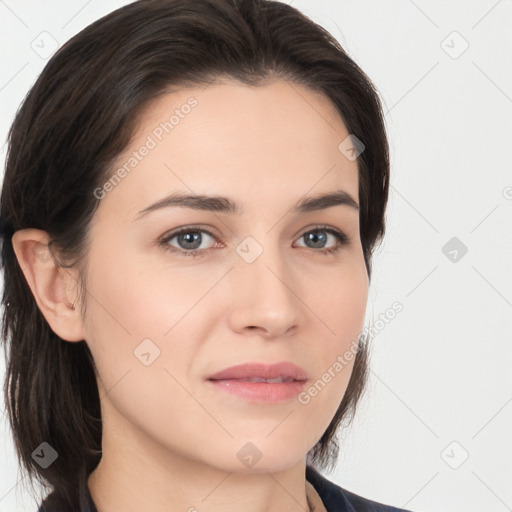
275,461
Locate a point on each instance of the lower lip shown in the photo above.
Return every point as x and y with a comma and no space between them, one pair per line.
265,392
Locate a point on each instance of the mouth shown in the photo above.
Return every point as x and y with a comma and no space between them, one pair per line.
286,371
262,379
261,383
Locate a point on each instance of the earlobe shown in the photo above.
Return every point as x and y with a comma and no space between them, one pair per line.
51,287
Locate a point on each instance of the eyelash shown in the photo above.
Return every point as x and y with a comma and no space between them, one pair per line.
342,240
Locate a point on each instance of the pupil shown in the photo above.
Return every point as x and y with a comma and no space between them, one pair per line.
189,238
314,238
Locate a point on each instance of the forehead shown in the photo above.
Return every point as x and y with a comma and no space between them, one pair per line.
271,142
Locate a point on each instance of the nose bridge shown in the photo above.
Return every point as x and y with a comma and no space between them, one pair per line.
264,286
264,266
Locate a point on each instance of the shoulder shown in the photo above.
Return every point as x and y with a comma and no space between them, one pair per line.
337,499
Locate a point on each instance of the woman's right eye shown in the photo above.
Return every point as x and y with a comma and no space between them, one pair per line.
189,241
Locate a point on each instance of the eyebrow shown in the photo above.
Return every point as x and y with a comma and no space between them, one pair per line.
222,204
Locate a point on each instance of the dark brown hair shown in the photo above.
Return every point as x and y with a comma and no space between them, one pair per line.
78,117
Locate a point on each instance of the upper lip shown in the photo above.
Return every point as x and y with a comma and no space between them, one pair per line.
265,371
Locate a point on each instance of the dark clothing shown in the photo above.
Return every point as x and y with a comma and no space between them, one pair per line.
334,498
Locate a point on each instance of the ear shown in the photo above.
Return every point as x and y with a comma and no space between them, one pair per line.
53,287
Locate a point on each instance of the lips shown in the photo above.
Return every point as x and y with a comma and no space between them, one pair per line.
260,372
259,383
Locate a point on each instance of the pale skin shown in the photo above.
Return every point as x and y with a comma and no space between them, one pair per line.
170,441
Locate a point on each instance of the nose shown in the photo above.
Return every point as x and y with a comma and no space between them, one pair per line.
265,297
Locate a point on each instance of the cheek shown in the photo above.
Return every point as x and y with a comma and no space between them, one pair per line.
342,306
342,309
134,300
122,311
134,311
136,308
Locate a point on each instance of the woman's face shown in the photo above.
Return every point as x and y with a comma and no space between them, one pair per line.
260,287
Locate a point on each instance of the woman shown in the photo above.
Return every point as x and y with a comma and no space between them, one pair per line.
192,196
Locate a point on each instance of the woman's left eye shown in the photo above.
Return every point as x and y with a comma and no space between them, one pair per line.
190,240
318,236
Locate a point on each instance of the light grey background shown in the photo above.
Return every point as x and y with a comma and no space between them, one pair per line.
433,430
